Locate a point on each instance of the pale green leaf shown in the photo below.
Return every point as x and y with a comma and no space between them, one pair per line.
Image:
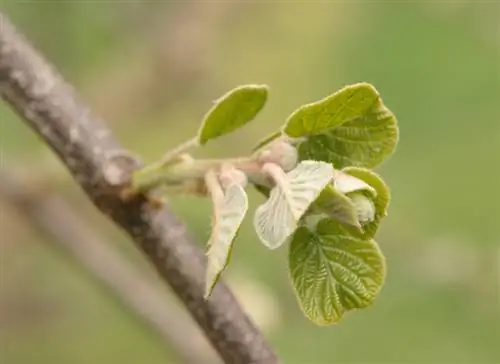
227,220
381,200
277,218
365,141
233,110
346,183
337,206
349,103
334,272
365,207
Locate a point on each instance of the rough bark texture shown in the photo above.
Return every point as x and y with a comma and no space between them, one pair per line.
99,164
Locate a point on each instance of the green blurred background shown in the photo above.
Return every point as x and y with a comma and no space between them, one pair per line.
152,70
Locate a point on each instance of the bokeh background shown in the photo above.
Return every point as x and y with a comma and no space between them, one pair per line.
152,70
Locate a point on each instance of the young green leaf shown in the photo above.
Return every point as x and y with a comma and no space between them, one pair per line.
229,211
294,192
380,201
337,206
334,202
232,111
365,141
334,272
348,103
346,183
365,208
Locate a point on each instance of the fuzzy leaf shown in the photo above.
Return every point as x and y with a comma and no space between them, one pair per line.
347,104
334,272
232,111
228,218
364,206
380,201
277,218
346,183
337,206
365,141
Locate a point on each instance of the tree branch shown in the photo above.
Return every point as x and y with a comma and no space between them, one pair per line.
99,164
54,218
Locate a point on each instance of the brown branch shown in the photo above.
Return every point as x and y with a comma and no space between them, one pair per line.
66,231
50,107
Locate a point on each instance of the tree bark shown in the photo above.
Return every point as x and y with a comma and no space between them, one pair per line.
56,219
99,164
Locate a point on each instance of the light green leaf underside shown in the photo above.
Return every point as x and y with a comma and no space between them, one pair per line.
381,200
346,183
233,110
228,218
337,206
333,272
348,103
364,206
364,142
277,218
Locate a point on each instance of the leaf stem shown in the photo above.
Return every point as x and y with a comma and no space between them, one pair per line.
276,173
161,173
180,149
214,187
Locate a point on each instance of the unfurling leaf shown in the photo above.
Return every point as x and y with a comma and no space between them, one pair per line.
349,103
365,141
334,272
337,206
380,201
229,211
364,207
336,200
346,183
294,192
233,110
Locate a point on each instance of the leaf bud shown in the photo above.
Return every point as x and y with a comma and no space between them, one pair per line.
281,153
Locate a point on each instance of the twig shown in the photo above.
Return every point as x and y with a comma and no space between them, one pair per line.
52,109
54,218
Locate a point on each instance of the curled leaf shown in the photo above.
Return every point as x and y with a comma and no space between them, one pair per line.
365,207
347,104
380,200
230,207
294,192
346,183
336,205
336,200
334,272
233,110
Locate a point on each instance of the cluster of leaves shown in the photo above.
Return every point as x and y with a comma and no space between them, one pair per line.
322,196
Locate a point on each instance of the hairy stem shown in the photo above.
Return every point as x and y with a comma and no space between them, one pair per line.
277,174
158,174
